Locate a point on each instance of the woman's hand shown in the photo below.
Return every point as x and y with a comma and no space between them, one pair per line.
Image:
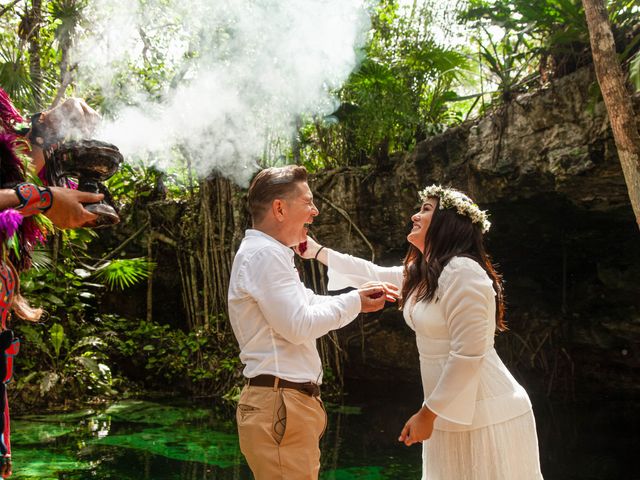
390,291
418,428
373,295
307,249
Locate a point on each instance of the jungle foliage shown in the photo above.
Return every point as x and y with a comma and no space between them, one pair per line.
523,44
409,85
400,94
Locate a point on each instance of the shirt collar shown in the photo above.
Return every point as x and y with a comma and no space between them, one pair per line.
252,232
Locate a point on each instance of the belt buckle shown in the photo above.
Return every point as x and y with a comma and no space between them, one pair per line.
311,389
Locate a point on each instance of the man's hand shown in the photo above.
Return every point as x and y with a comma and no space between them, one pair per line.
373,295
67,210
418,428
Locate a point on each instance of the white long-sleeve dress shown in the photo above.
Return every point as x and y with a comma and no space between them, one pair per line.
485,429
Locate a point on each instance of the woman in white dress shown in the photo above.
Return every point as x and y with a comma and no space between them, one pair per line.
477,419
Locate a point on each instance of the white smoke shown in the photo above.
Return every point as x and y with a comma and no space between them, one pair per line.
242,71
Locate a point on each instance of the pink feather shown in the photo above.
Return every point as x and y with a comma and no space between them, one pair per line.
10,221
8,113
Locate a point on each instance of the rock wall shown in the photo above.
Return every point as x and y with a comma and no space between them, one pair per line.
563,234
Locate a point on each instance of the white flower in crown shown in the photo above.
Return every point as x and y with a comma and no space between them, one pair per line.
452,198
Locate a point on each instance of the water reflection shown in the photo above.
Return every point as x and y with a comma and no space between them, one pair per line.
165,441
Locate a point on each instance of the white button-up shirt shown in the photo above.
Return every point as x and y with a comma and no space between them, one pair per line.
274,317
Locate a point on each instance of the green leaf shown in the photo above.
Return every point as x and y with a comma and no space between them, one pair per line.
90,364
41,259
57,337
88,341
54,299
634,71
123,273
48,382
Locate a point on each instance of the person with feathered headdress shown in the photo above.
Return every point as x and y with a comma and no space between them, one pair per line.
23,208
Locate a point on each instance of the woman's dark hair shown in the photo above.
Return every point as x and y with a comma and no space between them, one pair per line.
449,235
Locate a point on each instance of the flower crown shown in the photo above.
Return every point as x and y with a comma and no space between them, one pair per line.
452,198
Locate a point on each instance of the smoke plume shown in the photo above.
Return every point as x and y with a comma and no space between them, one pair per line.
236,73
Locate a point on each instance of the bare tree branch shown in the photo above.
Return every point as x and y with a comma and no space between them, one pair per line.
8,7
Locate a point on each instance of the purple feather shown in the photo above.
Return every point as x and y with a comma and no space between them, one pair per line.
32,233
10,221
42,175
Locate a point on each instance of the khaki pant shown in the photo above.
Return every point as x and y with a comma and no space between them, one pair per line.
280,432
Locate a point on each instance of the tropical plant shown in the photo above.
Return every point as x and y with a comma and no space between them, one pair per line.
66,355
29,56
400,94
56,282
202,361
553,32
124,272
67,367
505,64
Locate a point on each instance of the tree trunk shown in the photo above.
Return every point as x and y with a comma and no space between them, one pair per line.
35,68
616,97
66,33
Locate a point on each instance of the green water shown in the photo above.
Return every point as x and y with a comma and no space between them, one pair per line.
144,440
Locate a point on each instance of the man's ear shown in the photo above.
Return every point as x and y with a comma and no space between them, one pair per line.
278,209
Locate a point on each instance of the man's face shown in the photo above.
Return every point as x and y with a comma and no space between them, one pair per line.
300,211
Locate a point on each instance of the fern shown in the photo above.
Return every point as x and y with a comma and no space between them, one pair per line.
123,273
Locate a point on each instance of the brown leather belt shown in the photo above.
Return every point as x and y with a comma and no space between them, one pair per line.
310,388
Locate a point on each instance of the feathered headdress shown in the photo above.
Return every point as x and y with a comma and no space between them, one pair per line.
27,231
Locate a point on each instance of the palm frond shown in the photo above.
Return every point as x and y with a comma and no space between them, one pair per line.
125,272
41,259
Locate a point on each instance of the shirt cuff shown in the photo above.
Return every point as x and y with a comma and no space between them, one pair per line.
352,308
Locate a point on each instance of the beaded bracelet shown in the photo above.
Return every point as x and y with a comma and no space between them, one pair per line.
33,199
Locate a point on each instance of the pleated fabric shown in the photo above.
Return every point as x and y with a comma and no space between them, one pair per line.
503,451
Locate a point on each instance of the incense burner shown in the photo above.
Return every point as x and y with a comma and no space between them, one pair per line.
91,162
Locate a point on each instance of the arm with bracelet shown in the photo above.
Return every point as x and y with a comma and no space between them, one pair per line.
33,199
64,207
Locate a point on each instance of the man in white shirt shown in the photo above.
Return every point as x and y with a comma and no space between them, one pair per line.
277,321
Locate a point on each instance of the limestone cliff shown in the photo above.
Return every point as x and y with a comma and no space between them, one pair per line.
563,233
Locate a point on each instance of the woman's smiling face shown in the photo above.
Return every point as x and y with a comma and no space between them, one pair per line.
421,221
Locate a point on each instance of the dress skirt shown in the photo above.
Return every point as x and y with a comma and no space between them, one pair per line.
504,451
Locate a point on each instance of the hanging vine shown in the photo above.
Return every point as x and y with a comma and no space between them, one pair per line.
205,238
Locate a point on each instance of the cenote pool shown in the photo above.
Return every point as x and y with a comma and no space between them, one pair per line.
140,440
